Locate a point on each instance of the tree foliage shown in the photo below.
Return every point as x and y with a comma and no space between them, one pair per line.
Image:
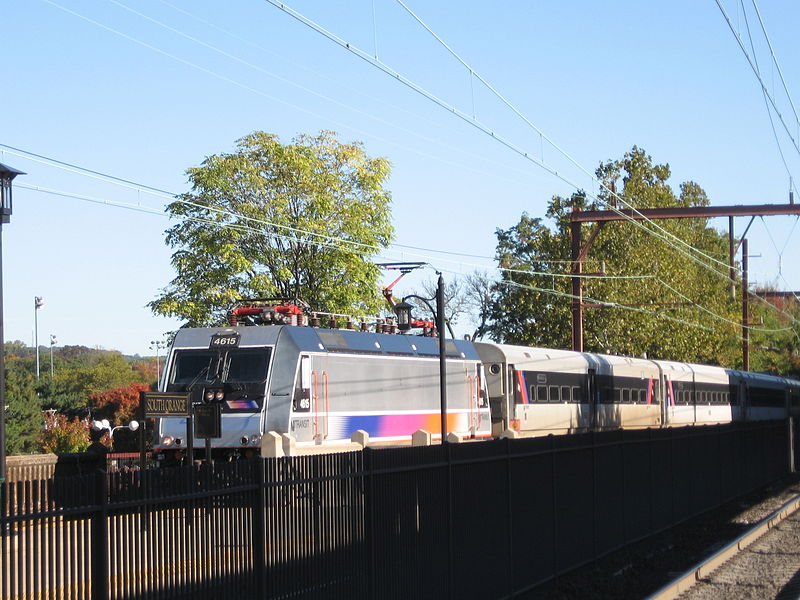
118,405
271,219
24,414
64,436
660,303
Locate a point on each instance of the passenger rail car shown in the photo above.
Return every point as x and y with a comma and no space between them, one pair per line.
537,391
321,385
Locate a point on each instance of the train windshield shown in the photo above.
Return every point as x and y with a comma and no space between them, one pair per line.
234,366
246,366
195,367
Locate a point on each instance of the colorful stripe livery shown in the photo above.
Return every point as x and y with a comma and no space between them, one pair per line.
242,404
402,425
523,389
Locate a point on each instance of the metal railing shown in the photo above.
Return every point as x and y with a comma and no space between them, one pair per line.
480,520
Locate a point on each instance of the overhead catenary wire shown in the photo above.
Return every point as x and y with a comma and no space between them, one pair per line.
487,130
429,250
542,135
225,78
254,90
766,101
657,231
346,246
325,239
754,68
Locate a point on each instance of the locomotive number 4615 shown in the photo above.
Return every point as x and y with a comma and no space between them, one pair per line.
224,340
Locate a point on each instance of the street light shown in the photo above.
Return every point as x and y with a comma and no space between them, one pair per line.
157,345
104,425
52,342
37,304
7,175
404,323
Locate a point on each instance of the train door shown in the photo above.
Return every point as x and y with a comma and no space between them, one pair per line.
592,399
320,400
478,400
311,404
744,400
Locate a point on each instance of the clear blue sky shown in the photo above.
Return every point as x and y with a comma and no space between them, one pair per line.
145,90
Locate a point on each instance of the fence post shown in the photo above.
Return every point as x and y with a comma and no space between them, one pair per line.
509,519
450,574
369,507
100,539
260,530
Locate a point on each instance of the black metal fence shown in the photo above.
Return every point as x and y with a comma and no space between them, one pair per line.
473,520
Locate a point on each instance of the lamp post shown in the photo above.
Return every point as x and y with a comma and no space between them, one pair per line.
158,345
7,175
105,425
52,342
37,304
404,322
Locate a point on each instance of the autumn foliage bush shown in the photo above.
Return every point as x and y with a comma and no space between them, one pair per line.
62,436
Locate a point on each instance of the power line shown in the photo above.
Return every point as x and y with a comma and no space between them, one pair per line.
757,74
328,240
485,129
664,235
350,247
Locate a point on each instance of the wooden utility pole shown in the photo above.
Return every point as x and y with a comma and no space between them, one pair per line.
745,311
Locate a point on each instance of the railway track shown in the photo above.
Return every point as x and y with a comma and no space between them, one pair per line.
763,562
647,567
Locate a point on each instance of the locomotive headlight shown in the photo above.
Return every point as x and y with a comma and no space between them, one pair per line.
178,442
255,440
167,440
219,395
209,395
243,440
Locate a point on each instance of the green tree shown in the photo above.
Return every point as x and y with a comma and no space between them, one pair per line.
24,417
657,290
271,219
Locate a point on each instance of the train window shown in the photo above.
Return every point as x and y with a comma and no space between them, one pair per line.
247,366
566,396
642,397
554,395
626,396
541,393
194,367
577,395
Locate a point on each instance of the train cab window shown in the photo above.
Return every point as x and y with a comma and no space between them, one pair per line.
541,393
566,396
194,367
554,395
247,366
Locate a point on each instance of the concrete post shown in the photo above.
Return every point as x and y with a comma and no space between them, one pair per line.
509,434
289,445
454,438
421,438
360,437
271,445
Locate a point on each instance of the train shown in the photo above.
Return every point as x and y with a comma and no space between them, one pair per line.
276,369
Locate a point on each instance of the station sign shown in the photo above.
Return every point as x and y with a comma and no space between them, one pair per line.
164,404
